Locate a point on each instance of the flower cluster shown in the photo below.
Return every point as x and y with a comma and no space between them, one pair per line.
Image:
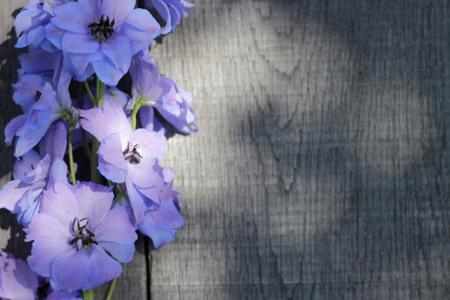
90,91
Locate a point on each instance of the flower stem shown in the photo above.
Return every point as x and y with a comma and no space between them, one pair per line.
88,295
137,106
89,92
100,93
112,286
71,162
94,161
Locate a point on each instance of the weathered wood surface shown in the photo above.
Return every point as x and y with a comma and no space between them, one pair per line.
322,167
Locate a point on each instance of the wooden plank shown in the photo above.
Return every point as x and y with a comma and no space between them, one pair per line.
321,167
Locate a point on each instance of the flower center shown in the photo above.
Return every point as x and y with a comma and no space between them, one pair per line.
82,236
102,30
131,154
37,96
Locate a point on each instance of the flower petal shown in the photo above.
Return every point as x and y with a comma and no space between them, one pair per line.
44,253
116,227
122,252
117,10
97,121
107,73
55,141
12,127
72,18
118,50
95,202
103,268
72,270
10,194
141,29
52,204
112,164
79,43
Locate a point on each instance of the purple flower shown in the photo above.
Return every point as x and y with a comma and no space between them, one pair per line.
78,240
170,12
31,21
32,174
127,156
32,126
39,62
172,103
163,219
43,103
28,90
101,36
17,281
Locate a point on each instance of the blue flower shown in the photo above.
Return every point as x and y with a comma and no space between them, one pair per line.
43,100
101,36
31,21
33,173
170,12
163,219
127,156
78,239
161,94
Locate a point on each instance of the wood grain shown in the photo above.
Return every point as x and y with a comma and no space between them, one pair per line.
321,170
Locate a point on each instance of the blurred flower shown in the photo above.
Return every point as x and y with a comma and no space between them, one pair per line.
127,156
32,174
101,36
170,12
17,281
43,102
78,242
162,220
172,103
32,126
31,21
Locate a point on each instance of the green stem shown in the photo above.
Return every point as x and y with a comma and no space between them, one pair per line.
112,286
100,92
94,161
137,106
71,162
88,295
89,92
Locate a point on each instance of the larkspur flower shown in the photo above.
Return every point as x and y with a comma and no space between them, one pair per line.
17,281
43,102
172,103
31,21
127,156
32,173
79,243
168,12
162,220
101,36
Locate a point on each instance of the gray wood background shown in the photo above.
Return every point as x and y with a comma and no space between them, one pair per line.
321,170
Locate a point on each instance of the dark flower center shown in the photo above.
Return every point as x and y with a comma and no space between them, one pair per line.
37,96
102,30
82,236
132,155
